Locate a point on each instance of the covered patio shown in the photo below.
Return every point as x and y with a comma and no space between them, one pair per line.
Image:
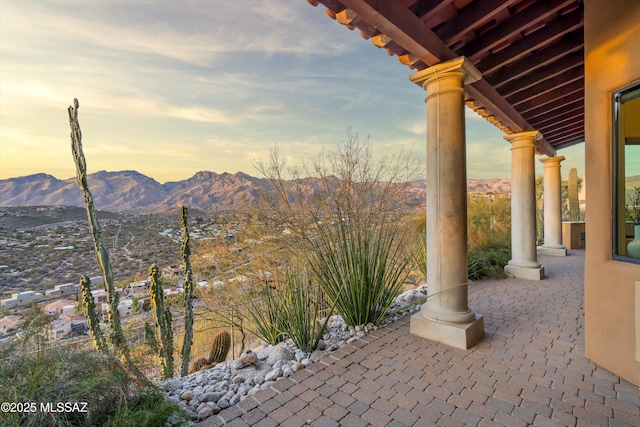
549,74
529,369
556,343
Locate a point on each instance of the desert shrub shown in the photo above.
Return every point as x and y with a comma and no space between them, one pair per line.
342,213
265,315
361,271
44,373
301,305
489,258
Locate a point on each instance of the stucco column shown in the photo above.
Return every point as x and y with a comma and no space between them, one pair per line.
446,317
552,208
524,263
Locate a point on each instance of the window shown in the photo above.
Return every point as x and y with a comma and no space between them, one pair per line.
626,174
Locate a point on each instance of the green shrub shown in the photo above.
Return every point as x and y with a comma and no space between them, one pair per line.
114,395
488,259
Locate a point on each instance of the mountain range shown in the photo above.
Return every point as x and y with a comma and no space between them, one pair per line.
131,190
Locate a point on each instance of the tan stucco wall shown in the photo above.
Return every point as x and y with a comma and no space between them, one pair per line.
612,61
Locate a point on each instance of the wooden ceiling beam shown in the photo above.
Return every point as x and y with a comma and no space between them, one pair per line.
553,95
392,18
421,47
470,17
550,115
543,146
568,141
543,73
334,5
558,118
577,96
565,132
548,85
428,8
536,40
558,128
571,43
526,18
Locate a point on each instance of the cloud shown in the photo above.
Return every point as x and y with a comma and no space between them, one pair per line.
192,32
210,83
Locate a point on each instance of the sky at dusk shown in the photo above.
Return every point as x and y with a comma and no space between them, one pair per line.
170,88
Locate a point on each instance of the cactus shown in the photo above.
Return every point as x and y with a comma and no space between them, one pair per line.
163,323
116,337
199,364
150,338
574,208
220,346
188,294
92,318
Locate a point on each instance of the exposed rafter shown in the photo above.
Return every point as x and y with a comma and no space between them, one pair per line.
530,53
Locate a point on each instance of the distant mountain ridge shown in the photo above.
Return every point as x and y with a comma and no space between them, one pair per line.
131,190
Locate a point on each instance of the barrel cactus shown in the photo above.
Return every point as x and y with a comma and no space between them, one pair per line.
220,346
199,364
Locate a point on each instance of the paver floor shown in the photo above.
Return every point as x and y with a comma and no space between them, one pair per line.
529,369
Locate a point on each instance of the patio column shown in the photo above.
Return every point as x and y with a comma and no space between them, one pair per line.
552,208
446,317
524,263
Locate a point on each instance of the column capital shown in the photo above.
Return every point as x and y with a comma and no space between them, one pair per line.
461,66
553,161
523,139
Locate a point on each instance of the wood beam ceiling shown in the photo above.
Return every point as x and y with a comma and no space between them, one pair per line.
530,53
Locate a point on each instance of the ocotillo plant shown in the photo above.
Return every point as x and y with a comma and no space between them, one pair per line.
116,337
220,347
92,318
574,208
188,294
163,323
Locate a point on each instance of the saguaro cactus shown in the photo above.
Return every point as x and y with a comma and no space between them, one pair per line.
574,208
163,323
220,347
116,337
188,294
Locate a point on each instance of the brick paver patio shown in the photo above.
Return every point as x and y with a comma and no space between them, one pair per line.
530,369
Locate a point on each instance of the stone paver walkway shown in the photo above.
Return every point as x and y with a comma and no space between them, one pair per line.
529,369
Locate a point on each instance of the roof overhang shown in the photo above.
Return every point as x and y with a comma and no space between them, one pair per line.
530,54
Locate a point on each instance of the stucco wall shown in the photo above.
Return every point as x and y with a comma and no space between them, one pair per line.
612,61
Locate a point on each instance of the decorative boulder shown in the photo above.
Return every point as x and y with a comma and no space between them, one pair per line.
248,358
280,352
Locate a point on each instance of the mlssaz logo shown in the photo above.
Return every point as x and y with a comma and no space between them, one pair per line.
59,407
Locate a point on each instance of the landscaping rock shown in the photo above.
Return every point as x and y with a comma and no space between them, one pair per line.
271,376
206,412
249,357
206,392
280,352
211,397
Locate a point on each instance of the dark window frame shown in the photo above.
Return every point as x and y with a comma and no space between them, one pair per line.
618,99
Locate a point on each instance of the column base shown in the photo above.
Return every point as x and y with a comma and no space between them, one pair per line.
458,335
552,251
528,273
